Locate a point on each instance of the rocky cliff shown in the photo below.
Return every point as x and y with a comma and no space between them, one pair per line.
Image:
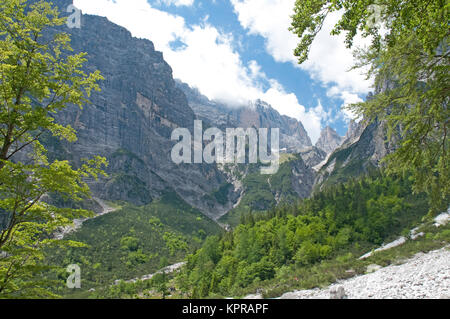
329,140
130,121
258,114
313,156
357,156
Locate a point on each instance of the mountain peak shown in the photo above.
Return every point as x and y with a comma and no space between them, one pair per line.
257,113
329,140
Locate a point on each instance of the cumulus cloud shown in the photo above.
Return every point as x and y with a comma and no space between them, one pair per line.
178,3
329,60
270,19
348,98
288,104
205,58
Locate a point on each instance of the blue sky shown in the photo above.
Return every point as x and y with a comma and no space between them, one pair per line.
240,50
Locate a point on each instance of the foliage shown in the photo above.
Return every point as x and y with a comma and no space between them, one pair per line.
409,59
37,79
262,192
348,218
132,242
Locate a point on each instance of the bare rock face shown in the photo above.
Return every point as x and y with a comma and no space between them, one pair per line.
329,140
302,178
357,157
313,156
297,173
257,114
130,121
354,131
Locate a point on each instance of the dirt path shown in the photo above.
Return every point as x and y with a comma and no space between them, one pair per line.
168,269
77,223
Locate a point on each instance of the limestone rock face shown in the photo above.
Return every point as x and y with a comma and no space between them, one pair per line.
354,131
257,114
302,178
313,156
131,120
357,156
329,140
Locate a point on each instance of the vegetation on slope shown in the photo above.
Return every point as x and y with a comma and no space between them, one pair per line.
348,219
263,192
132,242
409,59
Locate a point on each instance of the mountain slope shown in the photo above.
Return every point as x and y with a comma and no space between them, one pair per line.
293,181
257,114
357,156
329,140
313,156
130,121
132,241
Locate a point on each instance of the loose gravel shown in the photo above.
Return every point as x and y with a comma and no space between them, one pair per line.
425,276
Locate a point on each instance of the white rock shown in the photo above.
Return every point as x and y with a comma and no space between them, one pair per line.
423,276
373,268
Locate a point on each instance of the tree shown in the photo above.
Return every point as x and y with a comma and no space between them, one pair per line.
161,279
409,59
38,78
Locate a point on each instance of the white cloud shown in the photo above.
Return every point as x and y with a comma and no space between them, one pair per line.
255,70
178,3
348,98
287,104
329,60
206,60
270,19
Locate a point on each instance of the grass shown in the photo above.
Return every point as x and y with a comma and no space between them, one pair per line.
132,242
328,272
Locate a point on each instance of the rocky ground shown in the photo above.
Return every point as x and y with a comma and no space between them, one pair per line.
423,276
77,223
167,270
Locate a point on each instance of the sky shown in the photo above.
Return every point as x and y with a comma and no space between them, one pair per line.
237,51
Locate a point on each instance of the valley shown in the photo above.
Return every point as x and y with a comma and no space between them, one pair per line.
176,213
98,186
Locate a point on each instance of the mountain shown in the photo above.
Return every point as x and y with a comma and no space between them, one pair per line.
329,140
293,180
313,156
354,131
130,121
159,206
256,192
258,114
357,156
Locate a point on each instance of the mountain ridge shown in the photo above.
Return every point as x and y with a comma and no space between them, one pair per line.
258,114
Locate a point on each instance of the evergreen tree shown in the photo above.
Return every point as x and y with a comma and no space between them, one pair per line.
409,59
